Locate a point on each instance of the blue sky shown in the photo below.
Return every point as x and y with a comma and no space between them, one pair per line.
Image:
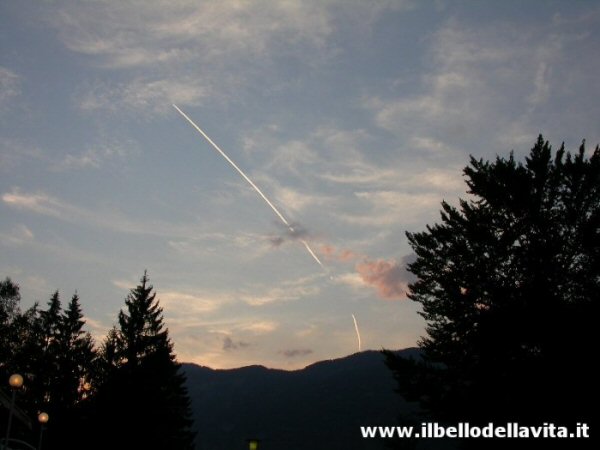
355,118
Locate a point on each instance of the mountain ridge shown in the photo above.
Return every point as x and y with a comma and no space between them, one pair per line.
322,405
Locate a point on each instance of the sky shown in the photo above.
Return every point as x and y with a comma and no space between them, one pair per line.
355,118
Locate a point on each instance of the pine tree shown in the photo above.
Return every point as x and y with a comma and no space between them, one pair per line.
48,376
76,354
27,356
141,328
9,301
10,298
145,392
509,288
107,360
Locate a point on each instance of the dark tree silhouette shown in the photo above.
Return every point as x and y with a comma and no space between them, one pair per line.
9,311
144,402
51,352
128,394
509,285
77,354
108,358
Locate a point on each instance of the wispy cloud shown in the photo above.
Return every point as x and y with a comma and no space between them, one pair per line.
97,328
45,204
295,352
97,156
19,235
229,344
288,291
143,96
383,208
199,41
9,86
335,254
192,314
361,174
488,77
296,201
352,279
16,152
245,326
191,303
261,327
125,36
39,203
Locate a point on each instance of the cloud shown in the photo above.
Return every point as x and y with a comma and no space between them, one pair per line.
205,43
293,353
296,233
291,156
385,193
98,329
498,77
9,86
143,96
42,203
229,344
97,156
287,291
193,304
261,327
382,208
390,278
190,312
352,279
199,41
333,254
14,152
360,173
124,35
297,201
19,235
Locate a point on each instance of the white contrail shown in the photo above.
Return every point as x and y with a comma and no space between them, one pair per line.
357,332
310,250
254,186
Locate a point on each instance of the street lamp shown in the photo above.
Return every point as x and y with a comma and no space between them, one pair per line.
15,382
253,444
43,420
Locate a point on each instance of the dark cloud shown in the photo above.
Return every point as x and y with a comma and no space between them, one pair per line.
276,241
292,353
229,344
293,233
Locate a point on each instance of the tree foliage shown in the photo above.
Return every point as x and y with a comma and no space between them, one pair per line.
129,393
509,285
9,312
143,399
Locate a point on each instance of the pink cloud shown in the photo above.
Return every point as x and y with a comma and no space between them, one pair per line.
389,278
343,255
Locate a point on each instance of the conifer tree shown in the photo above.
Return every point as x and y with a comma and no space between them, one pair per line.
48,376
76,354
107,360
142,330
9,312
145,392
